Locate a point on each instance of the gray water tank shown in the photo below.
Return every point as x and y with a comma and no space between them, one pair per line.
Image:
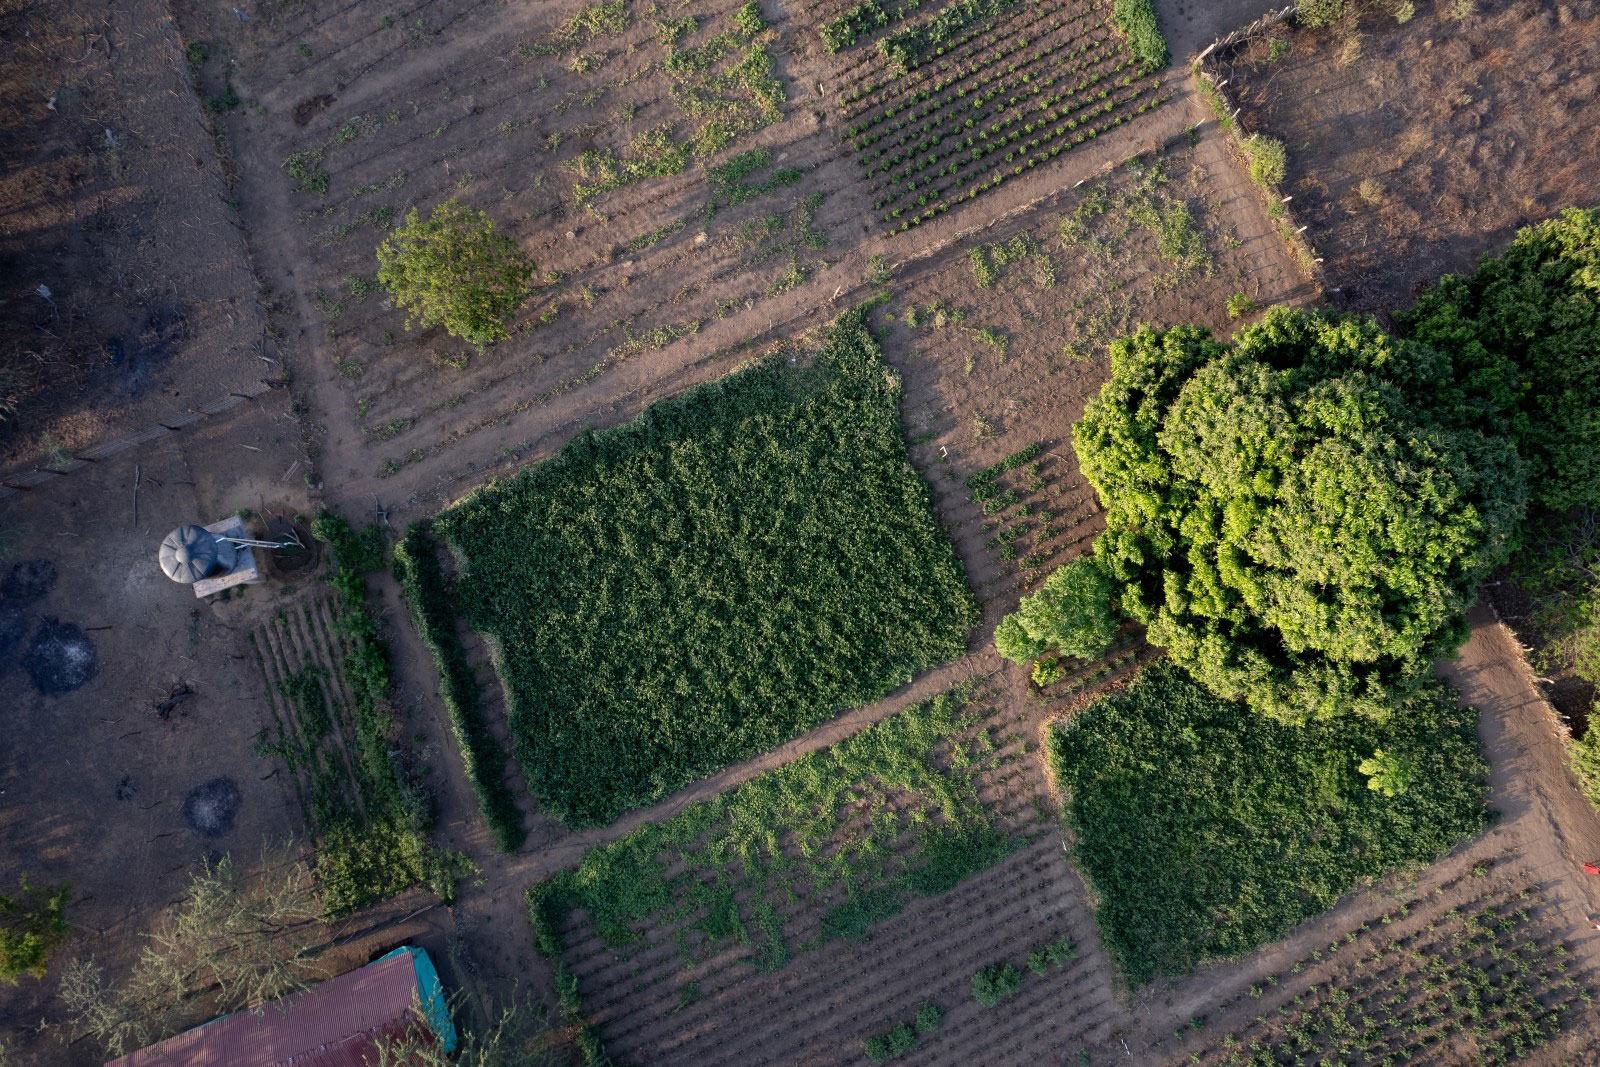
191,553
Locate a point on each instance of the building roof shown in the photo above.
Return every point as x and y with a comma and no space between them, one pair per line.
334,1024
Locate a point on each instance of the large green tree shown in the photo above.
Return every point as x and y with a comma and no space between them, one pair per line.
1299,517
1524,331
455,269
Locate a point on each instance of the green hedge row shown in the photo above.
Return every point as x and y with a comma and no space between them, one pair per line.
1137,21
416,567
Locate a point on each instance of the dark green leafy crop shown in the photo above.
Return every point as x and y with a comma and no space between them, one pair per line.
693,588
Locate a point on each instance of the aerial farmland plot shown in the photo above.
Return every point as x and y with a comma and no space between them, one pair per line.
932,531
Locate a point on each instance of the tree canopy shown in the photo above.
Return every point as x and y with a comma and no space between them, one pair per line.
1071,613
455,269
1524,331
1300,517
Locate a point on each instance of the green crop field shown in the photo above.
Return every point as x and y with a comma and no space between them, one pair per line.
1208,830
693,588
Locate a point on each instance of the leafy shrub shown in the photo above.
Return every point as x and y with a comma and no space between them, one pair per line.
1318,13
992,984
1243,827
1524,330
929,1016
32,925
1071,614
1240,305
305,167
1053,954
1137,21
1267,159
455,269
1047,671
1300,518
700,585
1387,773
747,21
416,567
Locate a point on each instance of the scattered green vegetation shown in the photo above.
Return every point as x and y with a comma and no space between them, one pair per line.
305,167
455,269
1206,831
702,584
416,567
33,924
731,184
1052,954
996,982
1483,983
1240,305
886,815
1267,160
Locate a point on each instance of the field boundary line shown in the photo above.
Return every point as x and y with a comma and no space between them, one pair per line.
26,480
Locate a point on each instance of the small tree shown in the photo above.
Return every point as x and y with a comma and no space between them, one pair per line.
32,925
455,269
1071,613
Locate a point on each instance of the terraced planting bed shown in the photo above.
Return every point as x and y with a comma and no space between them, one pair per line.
938,114
821,905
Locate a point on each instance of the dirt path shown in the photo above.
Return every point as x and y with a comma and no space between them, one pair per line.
1556,828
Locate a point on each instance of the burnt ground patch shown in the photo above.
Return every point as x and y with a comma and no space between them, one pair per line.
60,658
28,580
211,807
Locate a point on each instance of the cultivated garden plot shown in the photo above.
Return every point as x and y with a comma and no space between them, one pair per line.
1416,146
650,159
691,589
941,109
821,908
1002,341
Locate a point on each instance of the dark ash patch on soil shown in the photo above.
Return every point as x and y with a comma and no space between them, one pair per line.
28,580
210,809
61,657
13,628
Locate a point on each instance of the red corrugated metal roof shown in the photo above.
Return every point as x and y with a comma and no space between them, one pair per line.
332,1024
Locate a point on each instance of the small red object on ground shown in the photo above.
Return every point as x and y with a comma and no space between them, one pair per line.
1591,868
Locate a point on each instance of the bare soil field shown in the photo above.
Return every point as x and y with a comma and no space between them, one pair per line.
127,295
1415,148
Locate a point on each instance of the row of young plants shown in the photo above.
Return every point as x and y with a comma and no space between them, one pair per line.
873,79
1486,980
913,121
1037,104
880,1048
908,48
1023,157
417,569
378,847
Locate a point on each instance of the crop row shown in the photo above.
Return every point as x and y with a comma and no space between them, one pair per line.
1482,972
917,131
961,82
1020,155
1021,30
